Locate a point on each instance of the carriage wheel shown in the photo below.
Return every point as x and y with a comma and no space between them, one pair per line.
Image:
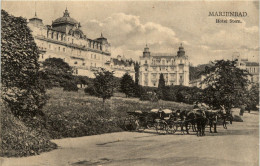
129,123
171,128
150,125
139,126
161,127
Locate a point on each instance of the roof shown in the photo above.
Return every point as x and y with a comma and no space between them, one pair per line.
120,62
66,19
162,55
252,63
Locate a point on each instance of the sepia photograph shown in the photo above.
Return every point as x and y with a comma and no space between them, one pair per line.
129,83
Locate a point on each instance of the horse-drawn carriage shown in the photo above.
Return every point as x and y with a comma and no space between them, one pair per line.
163,121
166,121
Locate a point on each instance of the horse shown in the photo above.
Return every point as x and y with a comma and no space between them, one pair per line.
212,119
201,121
180,119
190,119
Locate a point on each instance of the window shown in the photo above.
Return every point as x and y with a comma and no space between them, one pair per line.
63,49
42,56
163,62
76,71
75,62
145,61
83,64
59,48
72,41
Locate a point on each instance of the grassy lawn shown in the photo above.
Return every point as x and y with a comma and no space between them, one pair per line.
73,114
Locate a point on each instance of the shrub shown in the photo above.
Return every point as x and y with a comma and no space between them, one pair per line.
70,86
182,94
237,118
21,87
19,140
127,85
90,90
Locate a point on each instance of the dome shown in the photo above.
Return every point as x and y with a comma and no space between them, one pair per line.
181,51
66,19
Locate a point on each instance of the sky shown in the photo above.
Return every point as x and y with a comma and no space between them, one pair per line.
163,25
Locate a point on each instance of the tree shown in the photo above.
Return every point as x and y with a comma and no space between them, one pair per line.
127,85
253,97
21,88
57,73
226,85
103,85
161,87
137,68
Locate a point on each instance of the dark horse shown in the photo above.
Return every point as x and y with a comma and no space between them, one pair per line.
198,116
180,120
212,119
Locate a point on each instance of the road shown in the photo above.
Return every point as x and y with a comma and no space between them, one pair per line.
236,146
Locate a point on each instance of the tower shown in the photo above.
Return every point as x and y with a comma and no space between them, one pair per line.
146,52
181,51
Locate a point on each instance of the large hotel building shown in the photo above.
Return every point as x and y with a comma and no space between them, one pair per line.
65,39
175,68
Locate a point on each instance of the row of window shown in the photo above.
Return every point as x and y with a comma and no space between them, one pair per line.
163,68
163,62
83,64
252,70
79,52
61,37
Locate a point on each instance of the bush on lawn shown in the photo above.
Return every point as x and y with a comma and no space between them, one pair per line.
19,140
70,86
237,118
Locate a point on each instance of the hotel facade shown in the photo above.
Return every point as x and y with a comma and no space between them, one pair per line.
175,68
65,39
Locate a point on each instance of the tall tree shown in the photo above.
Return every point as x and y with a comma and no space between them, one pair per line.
127,85
21,87
226,85
253,97
137,68
56,72
103,84
161,87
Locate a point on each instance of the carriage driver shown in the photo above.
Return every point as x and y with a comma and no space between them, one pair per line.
161,113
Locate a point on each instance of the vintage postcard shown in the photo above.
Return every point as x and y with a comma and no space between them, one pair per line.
129,83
